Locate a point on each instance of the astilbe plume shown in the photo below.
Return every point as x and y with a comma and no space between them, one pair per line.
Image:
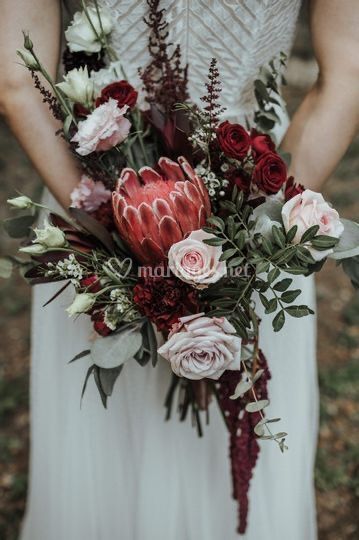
48,97
211,98
164,79
244,447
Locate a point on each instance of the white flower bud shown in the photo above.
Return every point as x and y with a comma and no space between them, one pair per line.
50,236
28,59
34,249
21,202
82,303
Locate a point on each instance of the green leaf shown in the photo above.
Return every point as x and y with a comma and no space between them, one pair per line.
230,227
299,311
96,374
228,205
291,233
215,241
264,300
296,270
273,303
19,227
278,321
322,242
240,239
67,124
290,296
228,253
267,246
309,234
88,374
80,355
282,285
241,388
262,266
93,227
236,261
6,268
273,275
115,349
108,378
278,236
217,222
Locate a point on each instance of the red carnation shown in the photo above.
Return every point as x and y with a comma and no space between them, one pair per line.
121,91
292,189
91,283
233,140
99,324
164,299
270,173
261,143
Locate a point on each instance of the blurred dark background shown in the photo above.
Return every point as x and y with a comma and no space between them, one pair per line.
337,470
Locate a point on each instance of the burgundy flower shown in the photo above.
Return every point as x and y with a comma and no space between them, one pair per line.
152,211
98,318
261,143
240,179
292,189
270,173
104,214
121,91
233,140
164,299
91,283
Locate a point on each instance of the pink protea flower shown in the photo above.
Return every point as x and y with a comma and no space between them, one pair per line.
153,211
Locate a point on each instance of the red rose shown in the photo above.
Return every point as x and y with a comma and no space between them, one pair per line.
261,143
99,324
233,140
270,173
240,179
91,283
292,189
164,299
121,91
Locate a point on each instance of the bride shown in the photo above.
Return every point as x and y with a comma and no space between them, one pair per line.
123,473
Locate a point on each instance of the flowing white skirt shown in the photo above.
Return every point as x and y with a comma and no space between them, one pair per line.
125,474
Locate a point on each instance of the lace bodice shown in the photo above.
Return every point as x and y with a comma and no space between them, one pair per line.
241,34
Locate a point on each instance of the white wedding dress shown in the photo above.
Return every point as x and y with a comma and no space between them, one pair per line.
123,473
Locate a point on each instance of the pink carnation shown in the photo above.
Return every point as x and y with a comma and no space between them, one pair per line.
103,129
89,195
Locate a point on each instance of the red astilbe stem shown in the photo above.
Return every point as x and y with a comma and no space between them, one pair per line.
47,97
164,79
244,447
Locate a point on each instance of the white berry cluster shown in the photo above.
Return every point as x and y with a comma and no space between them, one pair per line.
214,185
122,309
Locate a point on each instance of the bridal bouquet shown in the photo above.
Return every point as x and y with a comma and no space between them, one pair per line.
182,223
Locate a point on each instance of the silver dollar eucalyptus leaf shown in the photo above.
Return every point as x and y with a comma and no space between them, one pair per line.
115,350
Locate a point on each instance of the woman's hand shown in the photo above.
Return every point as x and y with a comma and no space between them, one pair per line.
21,104
328,118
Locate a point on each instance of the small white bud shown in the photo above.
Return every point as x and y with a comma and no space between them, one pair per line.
21,202
82,303
34,249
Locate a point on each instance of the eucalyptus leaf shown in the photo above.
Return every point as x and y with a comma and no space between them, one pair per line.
241,388
108,378
19,227
114,350
270,208
256,406
348,245
258,374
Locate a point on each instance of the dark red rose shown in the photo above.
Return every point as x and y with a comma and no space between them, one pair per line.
292,189
270,173
233,140
164,299
91,283
240,179
99,325
121,91
261,143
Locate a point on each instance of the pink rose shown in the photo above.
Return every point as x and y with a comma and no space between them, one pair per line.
89,195
103,129
195,262
307,209
202,347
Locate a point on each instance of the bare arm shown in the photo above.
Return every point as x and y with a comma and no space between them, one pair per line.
21,105
328,118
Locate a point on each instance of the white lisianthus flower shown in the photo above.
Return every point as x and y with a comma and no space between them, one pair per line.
82,303
264,226
21,202
34,249
50,236
86,28
307,209
105,76
28,59
201,347
78,86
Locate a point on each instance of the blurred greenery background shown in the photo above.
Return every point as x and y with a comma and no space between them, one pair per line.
337,470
